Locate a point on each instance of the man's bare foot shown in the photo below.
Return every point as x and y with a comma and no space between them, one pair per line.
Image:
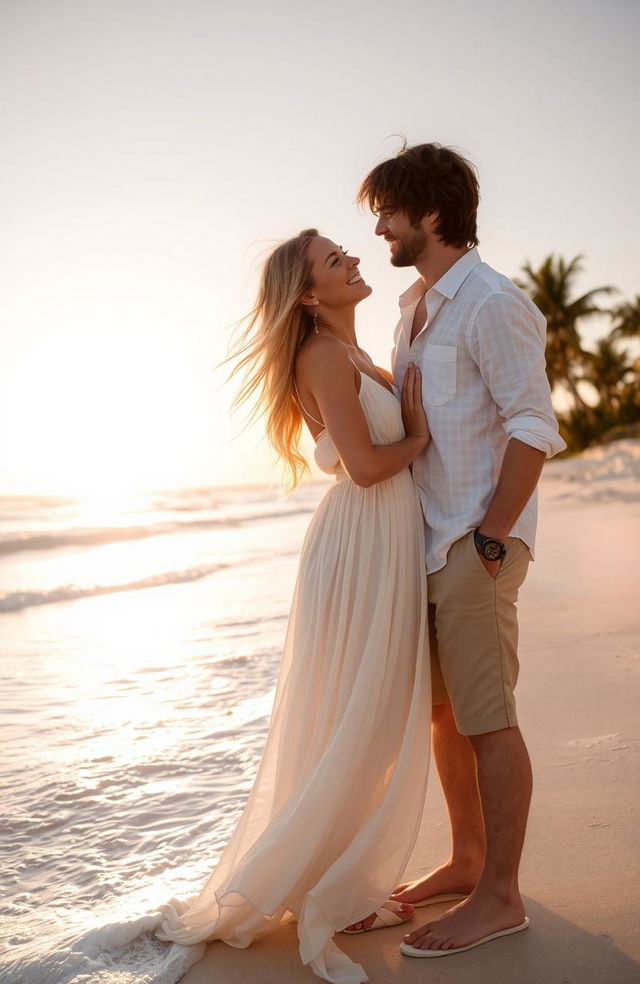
482,914
404,913
459,877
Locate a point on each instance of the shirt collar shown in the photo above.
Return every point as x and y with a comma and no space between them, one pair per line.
449,283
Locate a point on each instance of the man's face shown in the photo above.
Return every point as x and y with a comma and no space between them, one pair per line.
407,243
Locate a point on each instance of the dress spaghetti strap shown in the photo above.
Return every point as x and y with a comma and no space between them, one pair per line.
303,408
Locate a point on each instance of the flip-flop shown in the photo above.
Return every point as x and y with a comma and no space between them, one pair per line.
385,916
415,951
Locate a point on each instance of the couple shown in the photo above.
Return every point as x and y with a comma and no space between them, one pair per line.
379,649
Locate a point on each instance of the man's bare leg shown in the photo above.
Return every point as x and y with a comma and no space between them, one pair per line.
456,764
504,780
457,770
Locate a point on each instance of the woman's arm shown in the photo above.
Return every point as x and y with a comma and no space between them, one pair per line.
325,370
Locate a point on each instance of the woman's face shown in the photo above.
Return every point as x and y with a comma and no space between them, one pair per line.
335,277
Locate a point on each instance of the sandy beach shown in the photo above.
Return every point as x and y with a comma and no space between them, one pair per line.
578,705
130,757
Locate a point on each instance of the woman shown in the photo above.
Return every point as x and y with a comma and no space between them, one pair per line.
338,798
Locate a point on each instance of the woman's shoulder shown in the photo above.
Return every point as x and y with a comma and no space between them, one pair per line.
321,354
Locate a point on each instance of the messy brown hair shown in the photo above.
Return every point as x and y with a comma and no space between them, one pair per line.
423,179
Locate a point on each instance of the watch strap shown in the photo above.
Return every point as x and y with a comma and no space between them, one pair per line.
480,539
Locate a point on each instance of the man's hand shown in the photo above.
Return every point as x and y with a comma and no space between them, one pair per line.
492,566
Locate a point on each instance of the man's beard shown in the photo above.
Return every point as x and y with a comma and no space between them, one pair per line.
409,250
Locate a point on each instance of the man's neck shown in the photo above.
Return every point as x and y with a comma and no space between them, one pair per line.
436,260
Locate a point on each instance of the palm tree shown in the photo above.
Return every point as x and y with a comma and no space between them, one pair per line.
626,319
550,288
607,369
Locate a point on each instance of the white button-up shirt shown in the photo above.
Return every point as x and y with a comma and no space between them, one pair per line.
481,354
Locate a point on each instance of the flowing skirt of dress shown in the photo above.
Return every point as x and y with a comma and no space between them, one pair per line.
337,802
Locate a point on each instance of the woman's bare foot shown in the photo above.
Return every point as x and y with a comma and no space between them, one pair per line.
405,913
459,877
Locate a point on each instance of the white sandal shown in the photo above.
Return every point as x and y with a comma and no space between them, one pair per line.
386,916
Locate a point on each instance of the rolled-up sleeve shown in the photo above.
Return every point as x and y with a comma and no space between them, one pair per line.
506,339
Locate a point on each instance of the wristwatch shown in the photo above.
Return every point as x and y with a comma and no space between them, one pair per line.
489,547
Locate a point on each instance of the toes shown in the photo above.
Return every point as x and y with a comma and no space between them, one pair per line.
368,922
399,891
418,933
403,910
419,939
394,895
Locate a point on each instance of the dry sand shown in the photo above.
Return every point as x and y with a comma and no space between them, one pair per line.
579,711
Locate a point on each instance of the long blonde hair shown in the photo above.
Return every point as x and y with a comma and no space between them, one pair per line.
266,350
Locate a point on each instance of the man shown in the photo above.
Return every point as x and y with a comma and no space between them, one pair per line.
479,342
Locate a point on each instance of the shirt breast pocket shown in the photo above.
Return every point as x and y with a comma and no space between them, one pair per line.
438,365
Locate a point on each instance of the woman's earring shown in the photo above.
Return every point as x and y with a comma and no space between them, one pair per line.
315,320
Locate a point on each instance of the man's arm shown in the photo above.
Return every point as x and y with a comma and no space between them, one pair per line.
508,343
521,468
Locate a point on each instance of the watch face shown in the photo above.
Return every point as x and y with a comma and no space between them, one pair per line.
491,550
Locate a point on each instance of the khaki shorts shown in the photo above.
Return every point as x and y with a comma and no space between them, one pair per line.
473,632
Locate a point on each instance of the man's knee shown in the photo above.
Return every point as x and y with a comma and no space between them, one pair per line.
502,740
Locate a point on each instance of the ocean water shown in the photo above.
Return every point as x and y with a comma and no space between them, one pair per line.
139,650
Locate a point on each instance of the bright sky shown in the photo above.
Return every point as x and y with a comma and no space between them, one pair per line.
152,151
